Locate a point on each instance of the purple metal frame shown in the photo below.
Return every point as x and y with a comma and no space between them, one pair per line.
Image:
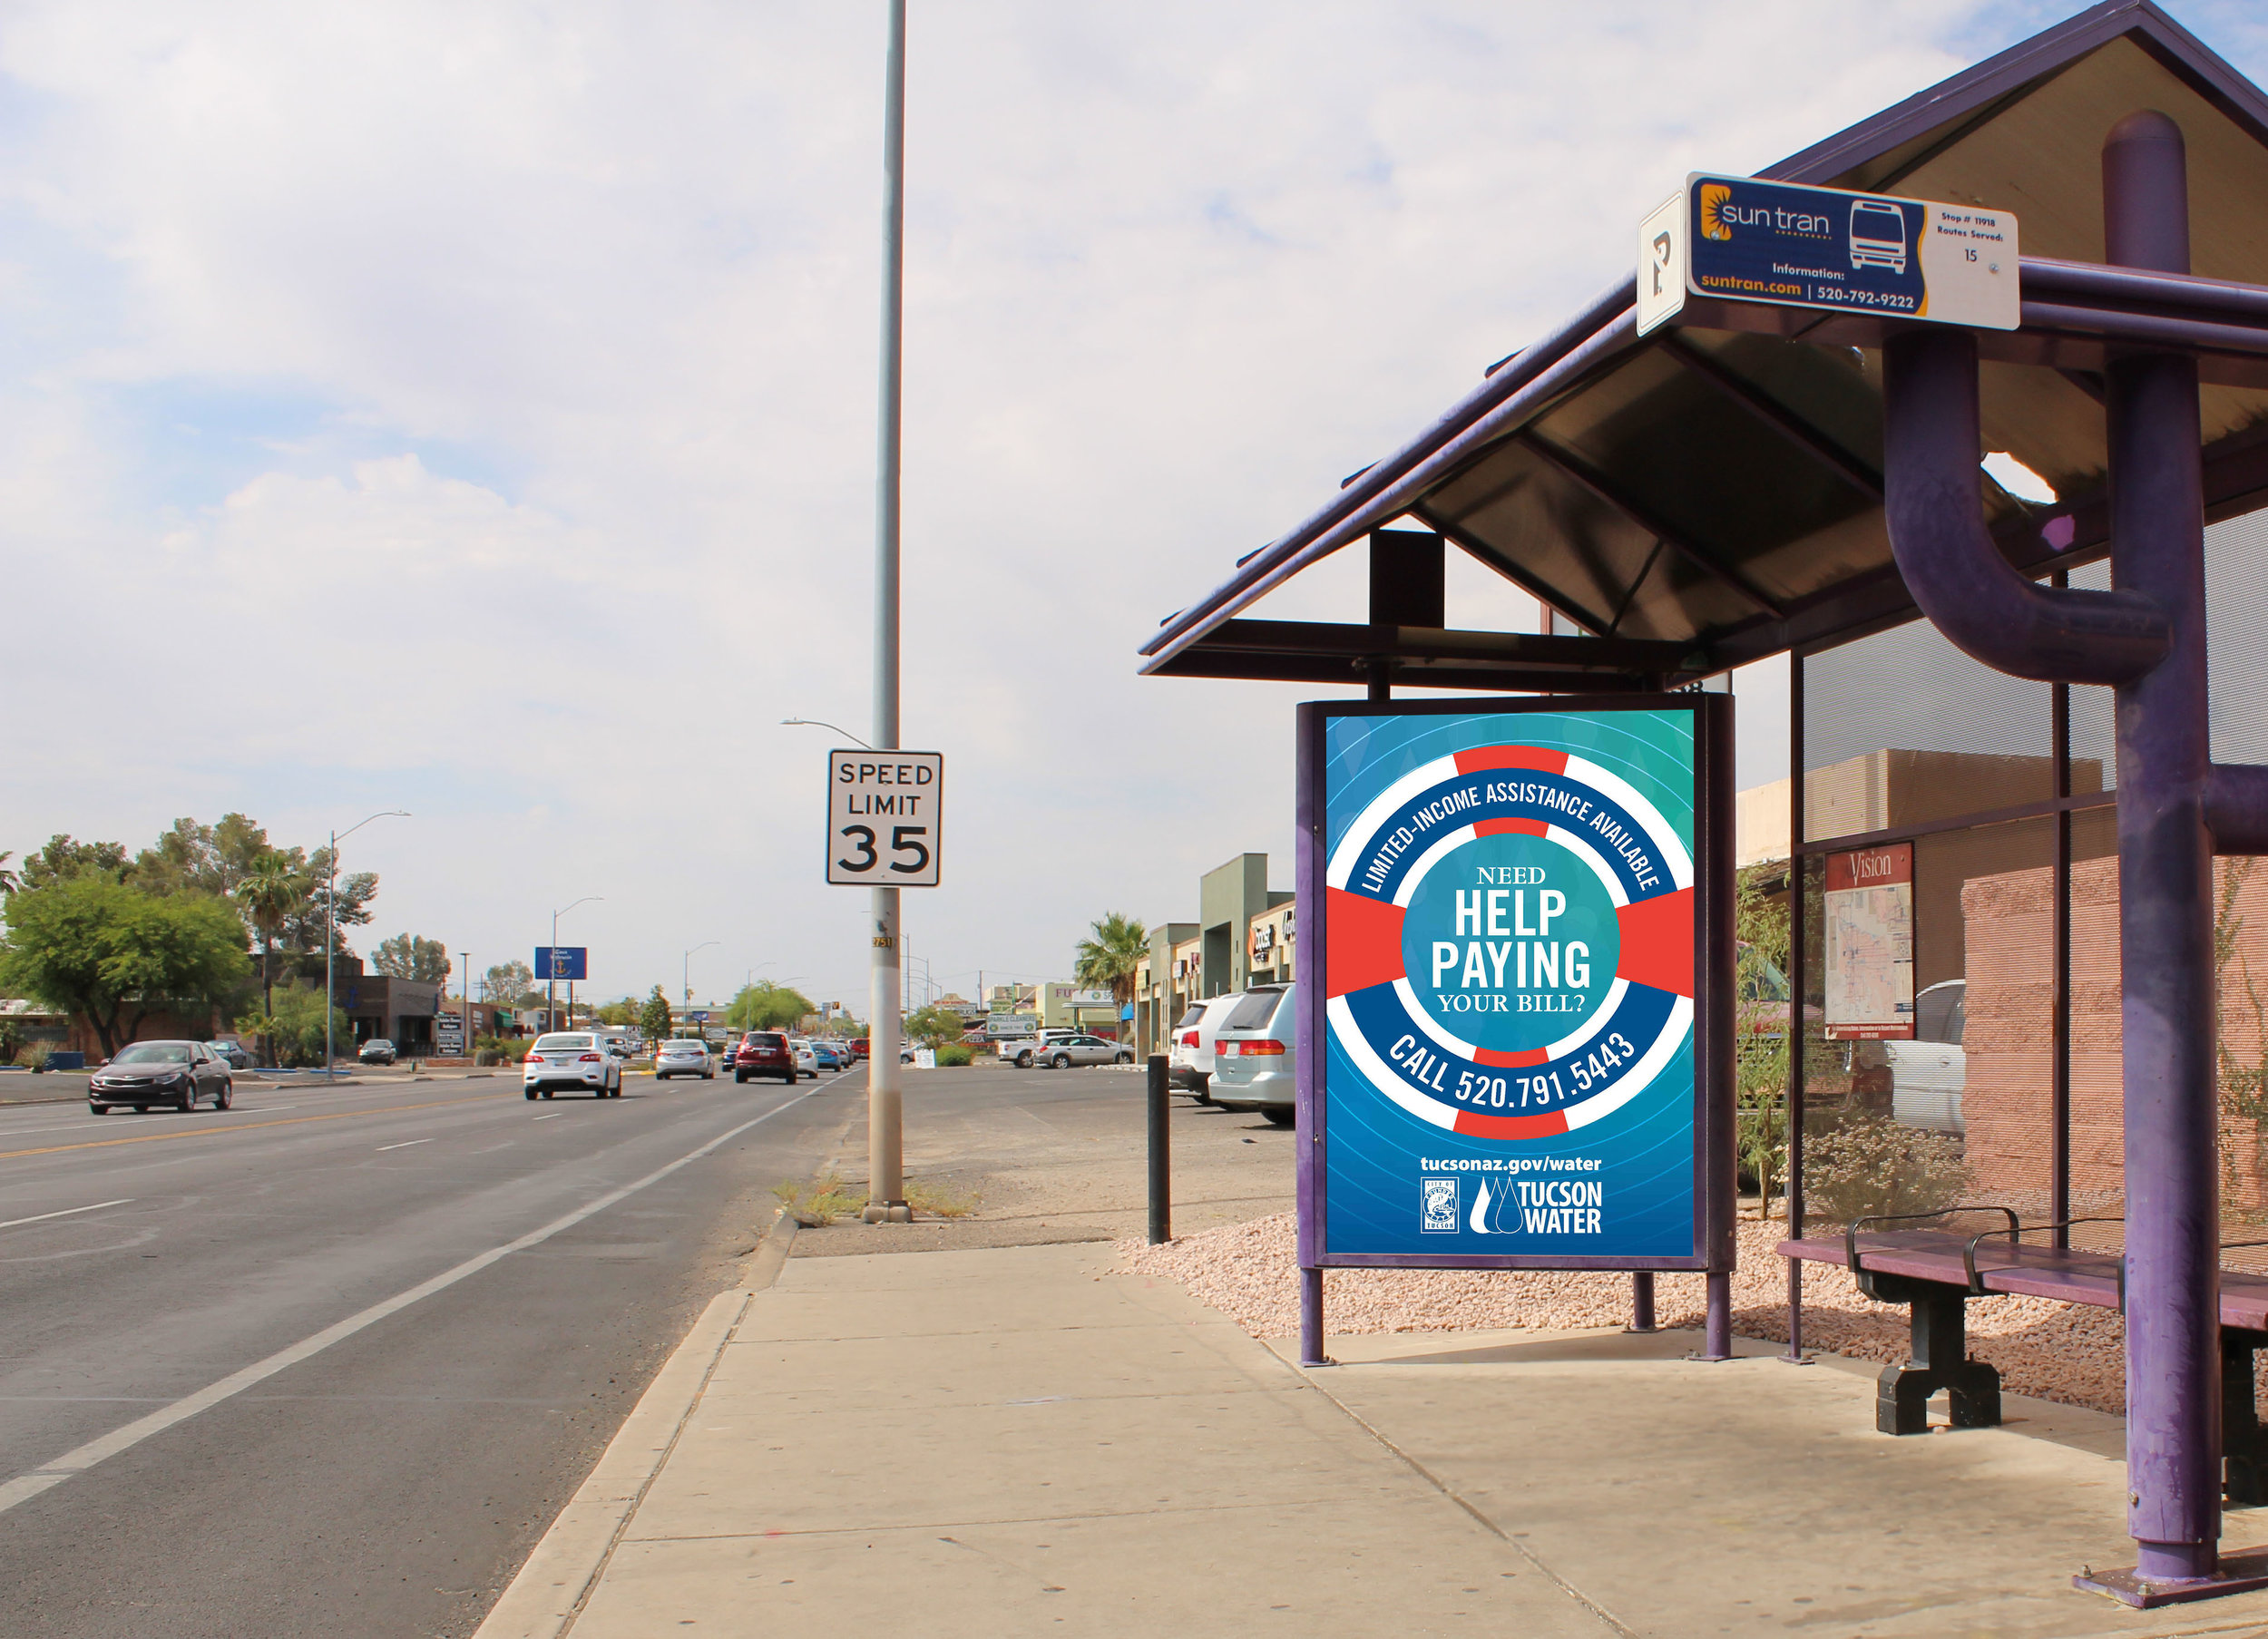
1715,1191
2146,638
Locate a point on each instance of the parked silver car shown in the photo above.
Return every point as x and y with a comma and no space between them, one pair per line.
1069,1050
1256,1054
684,1056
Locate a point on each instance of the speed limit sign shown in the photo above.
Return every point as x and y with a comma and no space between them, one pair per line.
882,818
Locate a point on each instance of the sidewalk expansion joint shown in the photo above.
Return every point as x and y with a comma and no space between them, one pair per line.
1161,1511
1478,1518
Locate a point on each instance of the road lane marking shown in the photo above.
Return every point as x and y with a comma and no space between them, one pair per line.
404,1143
67,1212
244,1126
552,1116
24,1487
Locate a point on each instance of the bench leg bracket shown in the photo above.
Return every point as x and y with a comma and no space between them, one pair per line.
1939,1361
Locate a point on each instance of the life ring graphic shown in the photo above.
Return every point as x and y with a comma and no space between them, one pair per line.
1457,983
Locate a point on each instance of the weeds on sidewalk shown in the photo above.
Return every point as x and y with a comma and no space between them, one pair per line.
939,1200
816,1203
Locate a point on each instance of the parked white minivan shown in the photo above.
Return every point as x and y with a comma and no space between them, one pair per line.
1255,1053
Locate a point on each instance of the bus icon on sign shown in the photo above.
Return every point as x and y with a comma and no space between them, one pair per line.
1878,236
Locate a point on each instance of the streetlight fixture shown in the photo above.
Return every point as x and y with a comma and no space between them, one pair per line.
686,978
820,723
551,991
330,932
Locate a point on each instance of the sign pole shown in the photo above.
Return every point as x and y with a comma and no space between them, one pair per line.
885,1115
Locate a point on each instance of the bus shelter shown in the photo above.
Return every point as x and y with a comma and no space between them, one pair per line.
2037,710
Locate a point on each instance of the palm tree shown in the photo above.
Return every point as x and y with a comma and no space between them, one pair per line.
271,891
1107,962
9,881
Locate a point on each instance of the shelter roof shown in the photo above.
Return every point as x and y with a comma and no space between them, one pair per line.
1701,497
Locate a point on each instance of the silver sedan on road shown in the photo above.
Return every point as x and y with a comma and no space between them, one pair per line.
1083,1049
684,1058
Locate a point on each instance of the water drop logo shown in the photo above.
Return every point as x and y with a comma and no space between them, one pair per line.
1488,1215
1714,197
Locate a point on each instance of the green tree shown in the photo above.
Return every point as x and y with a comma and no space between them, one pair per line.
935,1026
509,984
619,1013
269,891
112,955
413,956
9,881
64,858
654,1021
304,930
765,1006
201,859
1106,960
294,1029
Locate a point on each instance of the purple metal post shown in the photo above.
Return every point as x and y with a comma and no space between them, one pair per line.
2146,637
1718,1332
2166,900
1307,882
1642,1300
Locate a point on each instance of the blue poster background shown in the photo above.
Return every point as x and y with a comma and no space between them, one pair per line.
1382,1164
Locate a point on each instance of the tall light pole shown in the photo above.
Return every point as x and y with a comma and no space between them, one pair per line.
330,930
686,978
885,1109
551,985
465,960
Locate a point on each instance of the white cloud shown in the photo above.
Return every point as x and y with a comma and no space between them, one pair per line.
470,409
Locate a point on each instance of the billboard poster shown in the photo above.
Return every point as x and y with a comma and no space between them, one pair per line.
1869,914
1511,1068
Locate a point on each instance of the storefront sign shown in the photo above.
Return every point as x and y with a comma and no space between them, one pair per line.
1510,927
1870,944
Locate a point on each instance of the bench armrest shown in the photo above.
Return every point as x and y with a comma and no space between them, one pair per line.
1850,1230
1968,1253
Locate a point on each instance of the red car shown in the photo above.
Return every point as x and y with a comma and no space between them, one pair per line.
764,1053
862,1047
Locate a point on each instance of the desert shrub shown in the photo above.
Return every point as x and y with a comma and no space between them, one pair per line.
33,1056
952,1055
1871,1165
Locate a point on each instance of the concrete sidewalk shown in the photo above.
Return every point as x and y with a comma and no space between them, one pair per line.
1012,1441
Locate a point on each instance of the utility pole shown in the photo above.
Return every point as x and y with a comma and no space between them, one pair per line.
330,931
465,960
885,1109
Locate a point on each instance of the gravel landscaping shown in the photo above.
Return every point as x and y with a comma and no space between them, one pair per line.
2057,1351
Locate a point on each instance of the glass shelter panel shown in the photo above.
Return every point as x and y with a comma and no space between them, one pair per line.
1902,729
1959,1111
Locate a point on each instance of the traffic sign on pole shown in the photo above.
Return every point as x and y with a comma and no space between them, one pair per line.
885,822
1744,239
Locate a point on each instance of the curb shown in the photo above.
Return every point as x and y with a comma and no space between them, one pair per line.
545,1600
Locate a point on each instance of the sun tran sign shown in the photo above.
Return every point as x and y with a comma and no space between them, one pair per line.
1736,239
1513,901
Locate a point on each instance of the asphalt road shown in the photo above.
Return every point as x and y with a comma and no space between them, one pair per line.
330,1363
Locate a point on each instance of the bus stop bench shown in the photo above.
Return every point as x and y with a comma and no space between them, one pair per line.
1936,1271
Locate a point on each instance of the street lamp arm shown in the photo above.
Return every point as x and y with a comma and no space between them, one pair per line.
821,722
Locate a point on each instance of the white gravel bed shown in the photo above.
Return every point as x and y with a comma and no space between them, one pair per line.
2057,1351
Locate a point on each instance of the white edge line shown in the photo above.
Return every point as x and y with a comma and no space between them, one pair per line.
67,1212
404,1143
25,1487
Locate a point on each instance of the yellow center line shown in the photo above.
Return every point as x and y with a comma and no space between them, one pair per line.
247,1126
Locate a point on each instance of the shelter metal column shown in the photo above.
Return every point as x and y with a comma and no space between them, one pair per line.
2166,900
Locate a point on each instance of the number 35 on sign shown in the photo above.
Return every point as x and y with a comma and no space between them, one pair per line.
884,817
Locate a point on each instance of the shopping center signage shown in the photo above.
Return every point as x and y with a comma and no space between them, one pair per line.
1739,239
1511,917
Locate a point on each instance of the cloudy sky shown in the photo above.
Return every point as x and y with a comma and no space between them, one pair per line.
469,409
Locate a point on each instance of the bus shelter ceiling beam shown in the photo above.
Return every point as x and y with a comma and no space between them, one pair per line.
1776,416
1541,650
1581,472
1354,670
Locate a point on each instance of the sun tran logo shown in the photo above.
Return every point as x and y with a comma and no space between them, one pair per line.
1714,199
